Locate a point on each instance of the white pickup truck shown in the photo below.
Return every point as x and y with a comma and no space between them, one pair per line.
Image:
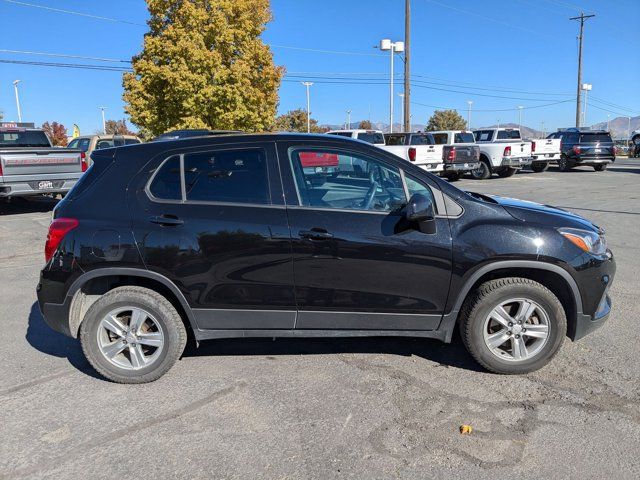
543,152
418,148
502,151
370,136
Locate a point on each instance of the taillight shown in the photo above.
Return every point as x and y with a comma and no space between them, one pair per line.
507,152
83,161
57,230
412,154
0,169
533,147
576,149
451,156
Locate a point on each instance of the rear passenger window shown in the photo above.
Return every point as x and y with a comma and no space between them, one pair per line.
166,183
421,140
440,138
236,176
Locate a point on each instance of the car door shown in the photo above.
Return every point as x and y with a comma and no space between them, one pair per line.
357,264
213,221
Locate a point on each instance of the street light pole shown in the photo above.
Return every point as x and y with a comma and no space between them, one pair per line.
348,119
15,87
104,123
628,128
608,122
308,84
469,114
406,98
393,47
586,87
520,107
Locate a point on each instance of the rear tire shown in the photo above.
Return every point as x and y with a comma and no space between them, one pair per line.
483,172
507,172
539,166
132,335
564,164
600,168
491,333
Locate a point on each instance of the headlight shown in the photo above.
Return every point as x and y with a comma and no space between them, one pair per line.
585,240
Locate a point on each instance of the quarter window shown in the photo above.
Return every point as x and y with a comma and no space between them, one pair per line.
166,183
440,138
340,180
236,176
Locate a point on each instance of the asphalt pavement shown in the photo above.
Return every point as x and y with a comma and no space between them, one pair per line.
330,408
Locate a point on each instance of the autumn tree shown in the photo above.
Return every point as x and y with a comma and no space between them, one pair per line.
117,127
296,121
56,132
204,65
446,120
365,125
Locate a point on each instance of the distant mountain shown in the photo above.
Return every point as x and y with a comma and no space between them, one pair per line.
619,126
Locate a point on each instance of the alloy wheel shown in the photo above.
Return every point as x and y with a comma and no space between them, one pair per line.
516,330
130,338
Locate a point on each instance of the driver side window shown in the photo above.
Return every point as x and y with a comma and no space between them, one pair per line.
328,178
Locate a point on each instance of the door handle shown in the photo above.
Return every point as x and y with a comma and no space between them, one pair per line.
315,234
167,220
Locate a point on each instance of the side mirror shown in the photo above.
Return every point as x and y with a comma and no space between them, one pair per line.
420,208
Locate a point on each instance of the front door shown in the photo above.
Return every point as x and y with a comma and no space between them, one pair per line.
357,264
213,221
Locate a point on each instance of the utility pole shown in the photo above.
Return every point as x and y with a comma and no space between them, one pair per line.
407,66
15,87
406,127
104,123
470,102
308,84
582,19
348,119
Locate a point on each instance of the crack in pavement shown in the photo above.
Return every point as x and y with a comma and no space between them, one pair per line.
115,435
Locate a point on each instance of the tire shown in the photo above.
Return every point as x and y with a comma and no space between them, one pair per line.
477,324
600,168
483,172
507,172
564,164
160,324
454,177
539,166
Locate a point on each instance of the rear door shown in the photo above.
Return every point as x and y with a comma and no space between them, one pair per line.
356,264
213,221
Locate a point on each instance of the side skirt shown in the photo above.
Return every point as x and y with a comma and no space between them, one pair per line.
307,333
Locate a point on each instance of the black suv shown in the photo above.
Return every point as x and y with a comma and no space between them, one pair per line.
585,147
230,236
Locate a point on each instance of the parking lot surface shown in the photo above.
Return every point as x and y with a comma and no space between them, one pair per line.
330,408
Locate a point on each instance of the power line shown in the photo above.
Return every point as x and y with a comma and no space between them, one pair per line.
62,55
496,109
69,65
71,12
317,50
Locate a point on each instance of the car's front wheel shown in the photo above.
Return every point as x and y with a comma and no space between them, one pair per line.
539,166
132,335
513,325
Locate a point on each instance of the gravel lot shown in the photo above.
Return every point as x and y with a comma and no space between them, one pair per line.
330,408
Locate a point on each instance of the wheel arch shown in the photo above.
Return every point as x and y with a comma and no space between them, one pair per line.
91,285
554,277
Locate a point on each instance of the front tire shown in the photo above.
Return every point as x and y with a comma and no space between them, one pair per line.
132,335
513,325
539,167
483,172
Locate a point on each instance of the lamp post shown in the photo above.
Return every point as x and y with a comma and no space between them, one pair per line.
608,122
585,87
469,114
520,107
15,87
348,119
628,128
308,84
393,47
104,123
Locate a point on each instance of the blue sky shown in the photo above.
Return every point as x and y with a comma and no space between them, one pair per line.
525,49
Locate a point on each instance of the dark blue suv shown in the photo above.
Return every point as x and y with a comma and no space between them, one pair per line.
580,146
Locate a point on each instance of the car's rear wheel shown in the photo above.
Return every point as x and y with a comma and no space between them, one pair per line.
564,164
454,176
483,172
507,172
539,166
513,325
132,335
600,168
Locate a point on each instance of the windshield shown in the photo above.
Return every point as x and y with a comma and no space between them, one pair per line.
595,138
371,137
24,138
508,135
